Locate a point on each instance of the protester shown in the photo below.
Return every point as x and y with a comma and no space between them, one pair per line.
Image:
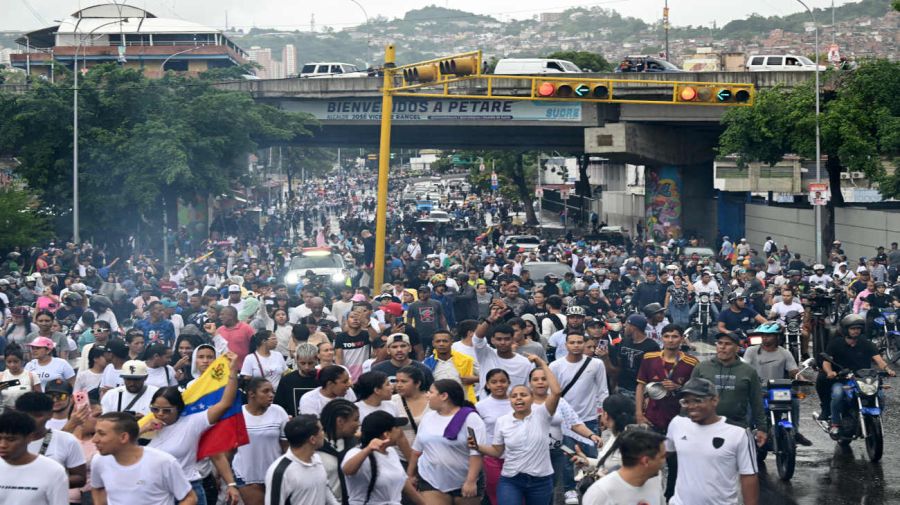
25,476
265,426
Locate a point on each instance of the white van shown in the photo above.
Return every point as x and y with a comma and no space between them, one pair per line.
529,66
330,69
781,62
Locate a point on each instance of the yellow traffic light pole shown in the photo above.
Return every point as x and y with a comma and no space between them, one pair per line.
384,162
443,72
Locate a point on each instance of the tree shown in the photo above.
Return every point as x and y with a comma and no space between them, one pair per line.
142,143
21,223
587,61
859,122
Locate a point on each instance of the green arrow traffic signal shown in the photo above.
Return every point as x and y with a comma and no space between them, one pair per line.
723,95
582,90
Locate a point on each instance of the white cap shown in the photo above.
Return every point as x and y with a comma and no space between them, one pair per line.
134,369
234,288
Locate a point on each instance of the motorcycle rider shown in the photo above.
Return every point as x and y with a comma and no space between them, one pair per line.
853,353
706,284
877,301
789,303
819,278
738,316
773,362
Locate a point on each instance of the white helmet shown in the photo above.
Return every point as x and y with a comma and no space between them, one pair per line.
818,266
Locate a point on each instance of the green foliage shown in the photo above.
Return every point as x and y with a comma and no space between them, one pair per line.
586,60
860,123
141,142
21,223
895,4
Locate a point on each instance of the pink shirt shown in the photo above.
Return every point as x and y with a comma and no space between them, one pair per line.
238,338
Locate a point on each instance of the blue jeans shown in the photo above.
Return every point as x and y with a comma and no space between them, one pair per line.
839,401
197,486
561,468
589,450
527,489
680,315
713,313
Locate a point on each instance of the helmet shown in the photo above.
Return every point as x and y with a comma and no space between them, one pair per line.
880,284
575,310
766,329
78,287
818,266
735,295
652,308
792,273
851,320
579,286
438,279
100,303
602,271
72,298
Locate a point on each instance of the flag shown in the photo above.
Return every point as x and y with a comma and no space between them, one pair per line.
230,431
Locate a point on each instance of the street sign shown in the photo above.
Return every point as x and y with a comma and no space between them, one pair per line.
582,90
818,193
539,192
564,194
494,182
481,167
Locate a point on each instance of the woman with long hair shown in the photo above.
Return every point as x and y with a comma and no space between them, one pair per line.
519,438
340,422
180,435
264,362
19,326
15,369
184,350
491,408
44,320
618,412
334,382
374,391
89,378
449,471
411,400
373,472
265,426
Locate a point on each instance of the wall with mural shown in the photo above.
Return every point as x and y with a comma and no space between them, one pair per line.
662,197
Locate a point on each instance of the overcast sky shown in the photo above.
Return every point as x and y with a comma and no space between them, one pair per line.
295,14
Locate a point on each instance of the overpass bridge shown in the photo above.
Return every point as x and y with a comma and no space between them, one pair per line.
349,110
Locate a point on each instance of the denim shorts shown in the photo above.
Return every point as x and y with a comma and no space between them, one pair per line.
424,485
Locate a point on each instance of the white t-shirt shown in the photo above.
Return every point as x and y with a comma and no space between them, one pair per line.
613,490
302,482
526,450
8,396
110,401
365,409
518,367
112,377
56,369
43,481
445,463
313,402
156,479
181,439
87,380
273,367
711,459
266,431
589,390
63,448
55,424
157,377
782,310
490,409
389,484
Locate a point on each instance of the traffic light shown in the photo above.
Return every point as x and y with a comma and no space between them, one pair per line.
459,67
421,73
590,90
711,94
729,95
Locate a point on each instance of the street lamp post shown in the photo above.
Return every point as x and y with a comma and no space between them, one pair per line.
817,208
163,64
76,234
368,30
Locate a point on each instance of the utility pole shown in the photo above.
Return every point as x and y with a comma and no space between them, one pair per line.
384,163
666,27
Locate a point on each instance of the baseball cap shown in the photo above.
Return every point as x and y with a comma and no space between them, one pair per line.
42,342
727,334
234,288
638,321
134,369
397,337
575,310
393,308
58,386
698,387
378,422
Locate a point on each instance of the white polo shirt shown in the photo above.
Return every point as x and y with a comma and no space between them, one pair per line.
525,440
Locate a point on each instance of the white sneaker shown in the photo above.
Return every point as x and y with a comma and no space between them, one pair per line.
571,497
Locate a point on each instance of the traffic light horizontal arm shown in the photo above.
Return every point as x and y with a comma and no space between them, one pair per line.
476,54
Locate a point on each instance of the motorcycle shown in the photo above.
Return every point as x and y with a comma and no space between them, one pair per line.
793,322
888,334
782,426
703,319
861,418
838,307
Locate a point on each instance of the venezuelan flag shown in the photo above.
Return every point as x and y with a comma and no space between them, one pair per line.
230,431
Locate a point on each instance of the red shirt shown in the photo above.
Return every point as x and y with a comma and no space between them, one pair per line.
655,369
238,338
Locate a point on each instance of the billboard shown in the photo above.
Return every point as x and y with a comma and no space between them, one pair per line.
369,109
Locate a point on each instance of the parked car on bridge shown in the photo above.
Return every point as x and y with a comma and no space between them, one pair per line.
529,66
781,62
331,69
644,63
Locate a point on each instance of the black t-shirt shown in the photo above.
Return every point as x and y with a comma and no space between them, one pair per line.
389,368
631,355
855,357
742,320
291,388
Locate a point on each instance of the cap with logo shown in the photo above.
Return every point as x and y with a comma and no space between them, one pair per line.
575,310
42,342
393,308
134,369
234,288
58,386
397,337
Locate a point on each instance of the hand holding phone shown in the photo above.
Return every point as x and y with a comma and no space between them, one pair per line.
568,450
81,400
472,438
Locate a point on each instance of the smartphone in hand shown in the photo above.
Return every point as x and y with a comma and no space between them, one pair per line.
471,434
81,399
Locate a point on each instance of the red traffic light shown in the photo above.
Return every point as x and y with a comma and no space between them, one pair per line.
688,94
546,89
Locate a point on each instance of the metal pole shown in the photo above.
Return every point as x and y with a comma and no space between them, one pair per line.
384,159
817,208
165,233
76,235
666,26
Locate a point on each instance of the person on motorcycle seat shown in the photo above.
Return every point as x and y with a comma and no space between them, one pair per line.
851,352
656,320
877,301
819,278
772,361
738,316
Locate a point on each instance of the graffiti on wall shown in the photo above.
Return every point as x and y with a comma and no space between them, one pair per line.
662,198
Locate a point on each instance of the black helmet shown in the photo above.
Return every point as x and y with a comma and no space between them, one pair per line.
652,308
851,320
792,273
880,284
735,295
101,303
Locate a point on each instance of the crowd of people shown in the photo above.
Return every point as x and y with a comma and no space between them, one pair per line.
460,380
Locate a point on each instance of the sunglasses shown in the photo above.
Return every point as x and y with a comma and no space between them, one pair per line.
686,402
162,410
59,396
